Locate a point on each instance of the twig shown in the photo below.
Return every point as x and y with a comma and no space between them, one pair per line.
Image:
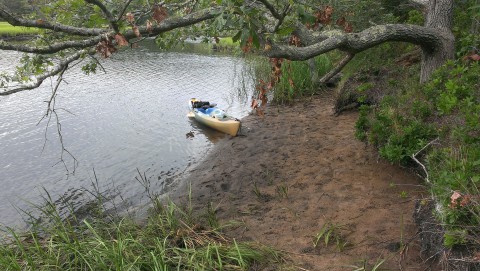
414,157
51,110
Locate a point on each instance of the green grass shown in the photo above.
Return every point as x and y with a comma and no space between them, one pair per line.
228,41
7,29
295,80
172,238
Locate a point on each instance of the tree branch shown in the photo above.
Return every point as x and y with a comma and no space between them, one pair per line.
42,24
272,9
54,48
337,69
108,14
177,22
429,39
56,70
276,14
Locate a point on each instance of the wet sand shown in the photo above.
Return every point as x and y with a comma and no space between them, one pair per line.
300,168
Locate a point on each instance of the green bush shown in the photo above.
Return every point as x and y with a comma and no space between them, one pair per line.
392,129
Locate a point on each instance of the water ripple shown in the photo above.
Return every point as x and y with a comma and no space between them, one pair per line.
131,117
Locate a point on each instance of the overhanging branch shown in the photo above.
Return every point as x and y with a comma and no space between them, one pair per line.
60,67
177,22
51,49
428,38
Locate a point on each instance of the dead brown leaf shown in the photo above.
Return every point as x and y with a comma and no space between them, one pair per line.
105,48
159,13
149,26
136,31
130,18
121,40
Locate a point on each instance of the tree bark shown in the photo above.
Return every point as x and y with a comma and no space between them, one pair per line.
439,16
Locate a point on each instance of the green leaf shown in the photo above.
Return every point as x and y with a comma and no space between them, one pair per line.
237,36
256,42
245,36
285,31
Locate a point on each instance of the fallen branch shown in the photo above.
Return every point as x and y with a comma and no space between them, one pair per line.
414,157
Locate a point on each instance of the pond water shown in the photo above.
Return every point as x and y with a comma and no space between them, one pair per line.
131,118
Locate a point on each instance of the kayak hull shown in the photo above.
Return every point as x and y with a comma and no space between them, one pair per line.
229,126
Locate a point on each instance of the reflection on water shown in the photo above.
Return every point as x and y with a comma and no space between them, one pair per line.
133,117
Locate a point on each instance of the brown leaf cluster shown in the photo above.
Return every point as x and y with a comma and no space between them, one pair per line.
136,31
472,56
159,13
121,40
324,17
263,87
295,40
106,48
130,18
149,26
248,45
347,27
458,199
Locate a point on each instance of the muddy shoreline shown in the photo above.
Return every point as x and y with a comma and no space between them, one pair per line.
300,169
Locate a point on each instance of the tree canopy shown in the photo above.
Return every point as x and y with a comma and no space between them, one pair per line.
295,30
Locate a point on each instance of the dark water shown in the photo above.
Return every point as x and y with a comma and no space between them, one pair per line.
133,117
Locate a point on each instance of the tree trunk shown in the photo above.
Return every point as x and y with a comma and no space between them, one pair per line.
440,17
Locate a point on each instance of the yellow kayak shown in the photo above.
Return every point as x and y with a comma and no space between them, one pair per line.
213,117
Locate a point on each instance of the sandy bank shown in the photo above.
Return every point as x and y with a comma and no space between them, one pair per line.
299,168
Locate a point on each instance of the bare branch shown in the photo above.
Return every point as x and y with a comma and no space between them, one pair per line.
279,16
337,69
52,111
124,9
64,150
308,36
337,39
55,71
40,23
